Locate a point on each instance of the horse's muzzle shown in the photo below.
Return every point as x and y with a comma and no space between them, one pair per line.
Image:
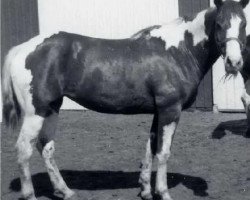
233,66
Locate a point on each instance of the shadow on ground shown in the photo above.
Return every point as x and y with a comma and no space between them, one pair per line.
236,127
106,180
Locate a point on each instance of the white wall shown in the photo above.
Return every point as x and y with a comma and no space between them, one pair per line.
103,18
1,112
227,95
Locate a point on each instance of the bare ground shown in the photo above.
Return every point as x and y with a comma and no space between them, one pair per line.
99,156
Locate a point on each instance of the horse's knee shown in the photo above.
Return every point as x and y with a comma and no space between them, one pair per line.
24,150
163,157
48,150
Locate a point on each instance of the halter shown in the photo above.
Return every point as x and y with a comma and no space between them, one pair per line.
230,39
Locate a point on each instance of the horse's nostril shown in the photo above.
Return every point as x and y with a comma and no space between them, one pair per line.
229,62
238,63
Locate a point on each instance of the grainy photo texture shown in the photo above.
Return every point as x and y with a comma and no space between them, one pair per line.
125,99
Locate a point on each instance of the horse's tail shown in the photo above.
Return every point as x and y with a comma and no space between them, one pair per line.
11,107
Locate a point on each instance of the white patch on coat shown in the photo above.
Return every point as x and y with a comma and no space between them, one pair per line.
233,49
197,28
161,176
173,33
76,49
20,75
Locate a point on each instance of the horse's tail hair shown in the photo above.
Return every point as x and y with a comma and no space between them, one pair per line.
11,107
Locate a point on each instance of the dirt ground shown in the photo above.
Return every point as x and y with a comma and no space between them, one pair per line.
99,156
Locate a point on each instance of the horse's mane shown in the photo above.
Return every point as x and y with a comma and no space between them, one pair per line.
144,33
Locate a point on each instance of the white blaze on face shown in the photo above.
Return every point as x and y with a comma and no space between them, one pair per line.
233,50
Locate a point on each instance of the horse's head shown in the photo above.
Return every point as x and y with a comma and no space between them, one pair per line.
230,33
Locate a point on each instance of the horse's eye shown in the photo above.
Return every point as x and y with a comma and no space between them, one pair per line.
218,26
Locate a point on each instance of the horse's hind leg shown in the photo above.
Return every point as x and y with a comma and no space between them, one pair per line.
32,124
45,146
145,176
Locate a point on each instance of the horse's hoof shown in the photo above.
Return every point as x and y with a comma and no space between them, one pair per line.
146,196
74,197
29,197
164,196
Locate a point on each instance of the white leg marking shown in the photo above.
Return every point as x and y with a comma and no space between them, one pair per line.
233,50
53,171
246,100
29,132
161,176
145,176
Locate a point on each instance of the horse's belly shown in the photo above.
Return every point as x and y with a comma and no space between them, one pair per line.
105,104
114,100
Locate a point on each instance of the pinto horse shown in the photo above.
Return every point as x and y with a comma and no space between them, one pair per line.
156,71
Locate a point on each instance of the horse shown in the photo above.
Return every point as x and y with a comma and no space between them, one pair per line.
245,72
156,71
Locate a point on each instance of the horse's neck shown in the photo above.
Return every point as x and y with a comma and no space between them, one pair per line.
193,39
203,46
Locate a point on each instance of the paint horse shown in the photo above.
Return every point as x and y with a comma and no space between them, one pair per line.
245,72
156,71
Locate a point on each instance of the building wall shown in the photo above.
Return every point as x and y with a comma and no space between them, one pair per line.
19,22
103,18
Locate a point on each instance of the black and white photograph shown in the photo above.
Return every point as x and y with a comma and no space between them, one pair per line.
125,100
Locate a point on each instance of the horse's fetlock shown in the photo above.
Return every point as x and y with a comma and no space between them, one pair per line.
162,158
28,194
163,193
146,195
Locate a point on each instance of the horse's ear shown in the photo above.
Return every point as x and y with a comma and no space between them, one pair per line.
244,3
218,3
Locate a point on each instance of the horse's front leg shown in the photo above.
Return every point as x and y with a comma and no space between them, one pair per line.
146,170
167,123
246,101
